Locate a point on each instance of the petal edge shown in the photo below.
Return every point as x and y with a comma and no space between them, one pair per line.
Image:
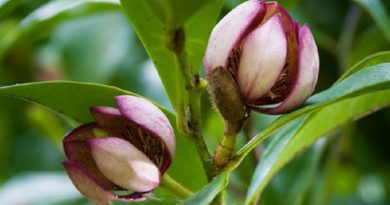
262,60
125,165
150,117
229,32
307,73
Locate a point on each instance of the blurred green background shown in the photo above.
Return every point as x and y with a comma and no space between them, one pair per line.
93,42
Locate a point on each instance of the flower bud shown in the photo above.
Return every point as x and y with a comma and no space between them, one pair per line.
226,95
273,61
133,170
126,149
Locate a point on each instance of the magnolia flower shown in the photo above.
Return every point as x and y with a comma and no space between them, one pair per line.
271,59
128,149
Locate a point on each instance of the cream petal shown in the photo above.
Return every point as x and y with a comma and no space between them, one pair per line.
262,59
229,32
307,73
108,117
149,117
79,152
83,132
86,184
125,165
90,187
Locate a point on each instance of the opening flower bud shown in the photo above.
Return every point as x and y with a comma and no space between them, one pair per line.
274,62
124,164
126,149
226,95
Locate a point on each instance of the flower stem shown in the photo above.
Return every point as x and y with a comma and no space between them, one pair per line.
175,187
224,152
190,87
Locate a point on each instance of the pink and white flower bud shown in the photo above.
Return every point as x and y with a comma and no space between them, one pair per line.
126,149
273,60
124,164
262,59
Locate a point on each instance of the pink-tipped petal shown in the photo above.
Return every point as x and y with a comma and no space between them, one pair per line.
125,165
262,60
307,73
83,132
229,32
148,116
90,187
282,87
80,153
86,184
272,8
108,116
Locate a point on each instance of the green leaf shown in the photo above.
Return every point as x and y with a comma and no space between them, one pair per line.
377,11
198,32
73,100
58,9
309,131
41,21
361,49
374,59
369,80
289,4
209,192
174,13
270,155
70,99
307,174
294,182
157,38
3,3
6,6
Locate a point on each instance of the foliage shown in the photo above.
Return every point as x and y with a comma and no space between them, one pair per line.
63,56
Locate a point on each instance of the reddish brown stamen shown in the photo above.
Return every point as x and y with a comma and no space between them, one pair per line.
234,61
144,141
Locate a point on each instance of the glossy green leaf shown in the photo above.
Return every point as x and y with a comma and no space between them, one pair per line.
378,12
174,13
54,9
371,60
42,20
198,31
70,99
361,49
6,6
3,3
73,100
209,192
88,50
369,80
157,38
307,132
307,174
295,181
289,4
